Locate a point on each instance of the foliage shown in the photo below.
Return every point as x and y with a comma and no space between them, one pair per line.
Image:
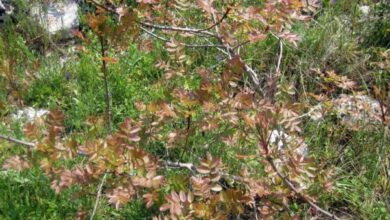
216,124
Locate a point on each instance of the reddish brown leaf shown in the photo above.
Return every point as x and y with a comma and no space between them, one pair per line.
110,60
16,163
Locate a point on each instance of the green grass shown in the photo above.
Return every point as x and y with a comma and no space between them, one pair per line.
27,195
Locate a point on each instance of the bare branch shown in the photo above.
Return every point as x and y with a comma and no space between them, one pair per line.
184,44
175,28
16,141
28,144
98,195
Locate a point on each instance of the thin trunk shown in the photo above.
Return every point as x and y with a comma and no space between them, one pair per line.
107,91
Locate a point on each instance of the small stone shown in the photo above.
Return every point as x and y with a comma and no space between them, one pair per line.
29,114
282,140
6,9
352,110
57,17
364,9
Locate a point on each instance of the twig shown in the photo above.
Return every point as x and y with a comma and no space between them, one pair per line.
57,47
187,137
280,57
254,78
240,45
255,209
219,36
188,166
292,187
16,141
98,195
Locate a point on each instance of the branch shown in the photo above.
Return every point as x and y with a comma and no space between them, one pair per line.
16,141
184,44
219,21
253,77
175,28
192,168
188,166
171,28
63,53
292,187
230,53
98,195
252,74
28,144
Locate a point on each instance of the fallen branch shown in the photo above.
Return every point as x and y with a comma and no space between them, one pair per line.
295,190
